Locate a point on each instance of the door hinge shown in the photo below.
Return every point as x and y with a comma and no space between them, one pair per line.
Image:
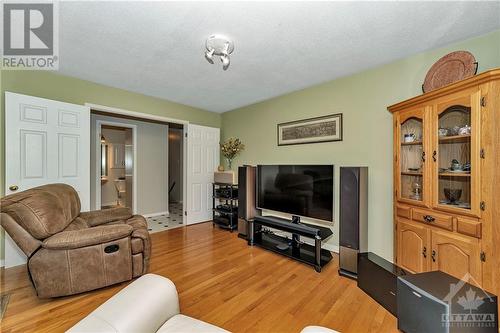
483,256
185,213
185,135
481,153
482,205
483,101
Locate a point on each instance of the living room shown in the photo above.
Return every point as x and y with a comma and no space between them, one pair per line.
290,96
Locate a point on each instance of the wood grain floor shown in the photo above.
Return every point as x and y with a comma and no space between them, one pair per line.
220,280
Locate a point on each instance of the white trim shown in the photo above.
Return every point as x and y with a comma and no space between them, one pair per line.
185,136
156,214
330,247
135,114
98,126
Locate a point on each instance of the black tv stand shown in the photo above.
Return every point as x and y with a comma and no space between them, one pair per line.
308,254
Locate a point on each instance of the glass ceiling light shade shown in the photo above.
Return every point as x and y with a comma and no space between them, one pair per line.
225,61
209,55
221,46
224,58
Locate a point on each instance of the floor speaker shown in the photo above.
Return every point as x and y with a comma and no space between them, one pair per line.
353,218
246,198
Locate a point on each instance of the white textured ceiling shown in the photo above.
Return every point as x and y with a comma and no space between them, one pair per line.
156,48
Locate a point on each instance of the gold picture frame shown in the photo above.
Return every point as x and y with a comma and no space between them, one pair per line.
312,130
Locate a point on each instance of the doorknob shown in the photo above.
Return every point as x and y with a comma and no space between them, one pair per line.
13,188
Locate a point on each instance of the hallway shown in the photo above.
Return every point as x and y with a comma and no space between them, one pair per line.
166,222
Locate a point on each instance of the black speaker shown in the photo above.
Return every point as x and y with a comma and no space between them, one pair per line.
353,218
246,198
378,278
435,302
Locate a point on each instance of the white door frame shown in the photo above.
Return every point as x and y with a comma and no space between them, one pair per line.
98,129
140,115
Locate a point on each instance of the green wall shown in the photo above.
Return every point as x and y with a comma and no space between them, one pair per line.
67,89
362,98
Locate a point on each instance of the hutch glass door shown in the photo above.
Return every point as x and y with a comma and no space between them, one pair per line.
412,156
457,153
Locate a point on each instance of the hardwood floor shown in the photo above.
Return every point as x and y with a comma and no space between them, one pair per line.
220,280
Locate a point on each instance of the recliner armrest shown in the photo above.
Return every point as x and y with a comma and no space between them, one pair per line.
98,217
26,242
74,239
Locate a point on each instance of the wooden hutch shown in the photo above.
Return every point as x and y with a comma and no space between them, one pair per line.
447,181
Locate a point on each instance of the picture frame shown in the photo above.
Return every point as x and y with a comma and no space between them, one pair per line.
312,130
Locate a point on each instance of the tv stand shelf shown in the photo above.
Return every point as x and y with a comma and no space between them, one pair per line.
308,254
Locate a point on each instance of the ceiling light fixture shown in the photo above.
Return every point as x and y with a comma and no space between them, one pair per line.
219,45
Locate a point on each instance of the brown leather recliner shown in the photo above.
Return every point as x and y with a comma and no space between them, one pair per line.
71,252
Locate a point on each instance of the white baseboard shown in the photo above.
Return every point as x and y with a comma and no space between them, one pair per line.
2,263
156,214
330,247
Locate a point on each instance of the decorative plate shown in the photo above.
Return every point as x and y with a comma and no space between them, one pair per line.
451,68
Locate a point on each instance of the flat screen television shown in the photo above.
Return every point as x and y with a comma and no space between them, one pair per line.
304,190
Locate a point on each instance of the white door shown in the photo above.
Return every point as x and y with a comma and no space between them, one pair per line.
203,159
45,142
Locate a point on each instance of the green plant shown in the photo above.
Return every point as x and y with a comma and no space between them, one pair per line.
230,148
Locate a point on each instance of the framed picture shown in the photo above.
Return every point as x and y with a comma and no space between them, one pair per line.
312,130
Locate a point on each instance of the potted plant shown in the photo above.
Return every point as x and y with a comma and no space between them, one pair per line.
230,149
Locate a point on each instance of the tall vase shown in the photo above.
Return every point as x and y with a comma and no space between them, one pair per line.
229,163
